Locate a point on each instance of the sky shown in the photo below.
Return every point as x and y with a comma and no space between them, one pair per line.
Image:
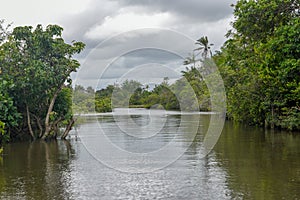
128,39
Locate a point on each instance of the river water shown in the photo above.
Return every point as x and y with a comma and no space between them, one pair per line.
119,157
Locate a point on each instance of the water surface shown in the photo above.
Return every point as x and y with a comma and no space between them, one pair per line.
246,163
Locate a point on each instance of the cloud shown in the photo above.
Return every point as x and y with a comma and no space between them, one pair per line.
105,18
127,21
33,12
76,25
193,10
123,54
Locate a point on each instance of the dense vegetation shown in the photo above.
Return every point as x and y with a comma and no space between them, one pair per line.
260,63
35,92
178,96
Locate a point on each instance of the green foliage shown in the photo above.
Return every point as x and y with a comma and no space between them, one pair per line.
4,30
204,47
260,63
103,99
9,116
162,96
103,105
63,105
129,93
38,62
257,20
83,100
2,131
192,78
185,95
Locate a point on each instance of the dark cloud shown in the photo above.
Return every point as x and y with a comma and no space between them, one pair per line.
77,25
143,58
149,55
185,12
194,10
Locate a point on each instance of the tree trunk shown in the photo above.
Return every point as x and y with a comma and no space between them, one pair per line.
68,128
272,122
38,121
50,108
55,127
29,122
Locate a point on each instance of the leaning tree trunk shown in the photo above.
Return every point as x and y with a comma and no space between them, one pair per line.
38,121
272,113
29,122
68,129
54,126
50,108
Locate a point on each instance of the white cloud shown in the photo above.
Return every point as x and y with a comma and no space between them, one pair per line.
32,12
214,30
124,22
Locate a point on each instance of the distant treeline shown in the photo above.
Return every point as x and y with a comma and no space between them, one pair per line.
178,96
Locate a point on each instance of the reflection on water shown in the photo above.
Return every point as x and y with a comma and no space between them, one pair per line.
35,170
260,165
247,163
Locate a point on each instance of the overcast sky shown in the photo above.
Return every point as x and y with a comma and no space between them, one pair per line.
128,39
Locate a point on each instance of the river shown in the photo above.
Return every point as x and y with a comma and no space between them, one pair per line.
119,157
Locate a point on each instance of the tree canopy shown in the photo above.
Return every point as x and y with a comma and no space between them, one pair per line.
36,64
260,63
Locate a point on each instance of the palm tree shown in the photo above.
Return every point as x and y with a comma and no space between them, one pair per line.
191,59
191,74
204,47
4,30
